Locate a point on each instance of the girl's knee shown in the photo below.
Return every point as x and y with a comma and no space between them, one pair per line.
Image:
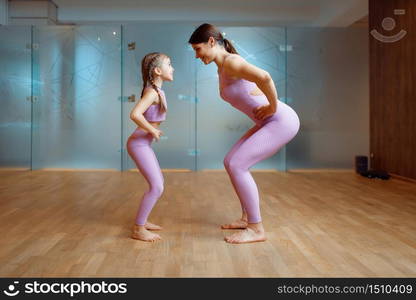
157,190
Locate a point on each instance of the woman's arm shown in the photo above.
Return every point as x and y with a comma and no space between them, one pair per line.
150,96
236,66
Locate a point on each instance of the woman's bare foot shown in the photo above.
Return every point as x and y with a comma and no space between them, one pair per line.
237,224
253,233
151,226
141,233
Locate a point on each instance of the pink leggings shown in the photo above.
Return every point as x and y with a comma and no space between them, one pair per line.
259,143
140,150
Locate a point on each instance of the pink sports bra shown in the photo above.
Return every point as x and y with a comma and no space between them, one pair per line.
237,93
154,112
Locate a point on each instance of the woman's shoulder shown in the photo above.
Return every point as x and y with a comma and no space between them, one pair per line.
232,61
232,65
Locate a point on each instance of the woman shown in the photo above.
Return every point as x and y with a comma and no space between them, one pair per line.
252,91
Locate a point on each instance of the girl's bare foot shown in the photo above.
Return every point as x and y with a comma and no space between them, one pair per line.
237,224
141,233
253,233
151,226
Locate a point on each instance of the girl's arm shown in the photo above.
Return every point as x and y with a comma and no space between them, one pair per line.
237,66
150,96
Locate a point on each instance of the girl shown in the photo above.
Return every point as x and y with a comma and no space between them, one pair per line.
250,90
148,113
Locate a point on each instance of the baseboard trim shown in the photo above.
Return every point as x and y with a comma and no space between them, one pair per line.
203,170
321,170
403,178
14,169
166,170
75,170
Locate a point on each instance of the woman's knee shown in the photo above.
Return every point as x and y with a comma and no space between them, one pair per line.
235,165
226,162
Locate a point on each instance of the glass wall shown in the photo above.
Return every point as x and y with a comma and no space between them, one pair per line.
77,114
176,149
15,97
67,92
219,124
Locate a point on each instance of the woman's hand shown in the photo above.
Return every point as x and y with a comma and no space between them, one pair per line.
156,133
263,111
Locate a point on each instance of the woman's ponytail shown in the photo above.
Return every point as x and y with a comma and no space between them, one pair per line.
229,47
205,31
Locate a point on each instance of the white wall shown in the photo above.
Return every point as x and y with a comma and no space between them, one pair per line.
316,13
25,12
328,86
319,13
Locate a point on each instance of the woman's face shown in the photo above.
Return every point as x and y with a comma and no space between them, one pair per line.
166,69
204,52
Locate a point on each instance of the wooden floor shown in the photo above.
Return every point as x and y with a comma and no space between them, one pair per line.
77,224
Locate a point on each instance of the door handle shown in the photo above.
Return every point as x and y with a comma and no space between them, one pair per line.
132,98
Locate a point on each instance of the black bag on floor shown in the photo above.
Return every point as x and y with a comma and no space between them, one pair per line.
376,174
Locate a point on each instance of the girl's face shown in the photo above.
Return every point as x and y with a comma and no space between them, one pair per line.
166,69
204,51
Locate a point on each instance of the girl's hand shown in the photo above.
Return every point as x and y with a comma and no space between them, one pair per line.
156,133
263,111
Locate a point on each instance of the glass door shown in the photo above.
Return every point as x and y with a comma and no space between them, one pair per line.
15,97
76,84
219,125
176,149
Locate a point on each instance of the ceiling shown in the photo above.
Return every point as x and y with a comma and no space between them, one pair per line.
334,13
